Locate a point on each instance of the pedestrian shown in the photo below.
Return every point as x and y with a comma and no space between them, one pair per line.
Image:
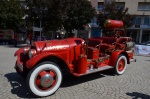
15,39
28,42
30,38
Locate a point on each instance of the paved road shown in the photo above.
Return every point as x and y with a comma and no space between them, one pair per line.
134,84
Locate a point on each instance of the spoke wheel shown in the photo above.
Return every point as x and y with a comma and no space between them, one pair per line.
121,64
44,79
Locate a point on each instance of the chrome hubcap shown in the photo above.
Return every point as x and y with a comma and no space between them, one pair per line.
46,80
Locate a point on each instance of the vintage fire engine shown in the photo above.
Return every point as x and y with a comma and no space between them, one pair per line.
44,63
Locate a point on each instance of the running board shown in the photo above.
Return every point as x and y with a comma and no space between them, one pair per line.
96,70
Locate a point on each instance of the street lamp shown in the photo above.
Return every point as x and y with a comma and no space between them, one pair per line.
40,27
62,32
87,27
41,12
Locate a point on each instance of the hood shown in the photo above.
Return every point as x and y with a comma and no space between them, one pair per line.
51,45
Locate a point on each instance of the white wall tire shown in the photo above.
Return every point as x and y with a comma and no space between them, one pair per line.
44,79
121,64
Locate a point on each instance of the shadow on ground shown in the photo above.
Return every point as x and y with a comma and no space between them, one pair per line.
70,80
18,85
137,95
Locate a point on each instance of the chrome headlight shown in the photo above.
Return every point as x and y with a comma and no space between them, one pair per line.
25,50
31,53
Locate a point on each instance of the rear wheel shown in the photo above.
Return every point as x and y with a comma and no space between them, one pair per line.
121,64
44,79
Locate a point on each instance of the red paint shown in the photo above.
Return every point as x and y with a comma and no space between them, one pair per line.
81,64
31,62
72,52
77,56
93,53
113,24
114,57
121,64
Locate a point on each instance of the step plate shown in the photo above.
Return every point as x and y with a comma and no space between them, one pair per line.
97,70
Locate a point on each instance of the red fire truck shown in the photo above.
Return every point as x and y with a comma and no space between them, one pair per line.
44,63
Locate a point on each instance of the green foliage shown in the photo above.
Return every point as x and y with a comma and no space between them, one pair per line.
10,14
71,14
114,12
79,13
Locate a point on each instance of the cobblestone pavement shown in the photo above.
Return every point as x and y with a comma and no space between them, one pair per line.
133,84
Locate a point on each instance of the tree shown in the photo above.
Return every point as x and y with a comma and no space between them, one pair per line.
80,12
112,11
10,14
71,14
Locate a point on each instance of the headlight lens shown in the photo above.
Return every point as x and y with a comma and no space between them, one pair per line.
25,50
31,53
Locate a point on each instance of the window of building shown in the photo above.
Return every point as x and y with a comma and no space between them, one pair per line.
145,36
134,34
100,6
147,20
120,4
145,6
94,22
137,20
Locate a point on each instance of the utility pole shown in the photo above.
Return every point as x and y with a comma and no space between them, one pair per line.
40,28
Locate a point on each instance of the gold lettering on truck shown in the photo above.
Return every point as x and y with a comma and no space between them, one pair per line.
55,47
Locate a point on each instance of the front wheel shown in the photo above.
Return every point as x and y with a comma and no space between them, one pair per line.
44,79
121,64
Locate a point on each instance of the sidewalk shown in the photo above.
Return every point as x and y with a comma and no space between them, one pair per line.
18,45
102,85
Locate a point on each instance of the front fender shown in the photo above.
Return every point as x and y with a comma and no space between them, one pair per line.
114,56
31,62
18,51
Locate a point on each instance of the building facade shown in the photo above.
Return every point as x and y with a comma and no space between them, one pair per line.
140,31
